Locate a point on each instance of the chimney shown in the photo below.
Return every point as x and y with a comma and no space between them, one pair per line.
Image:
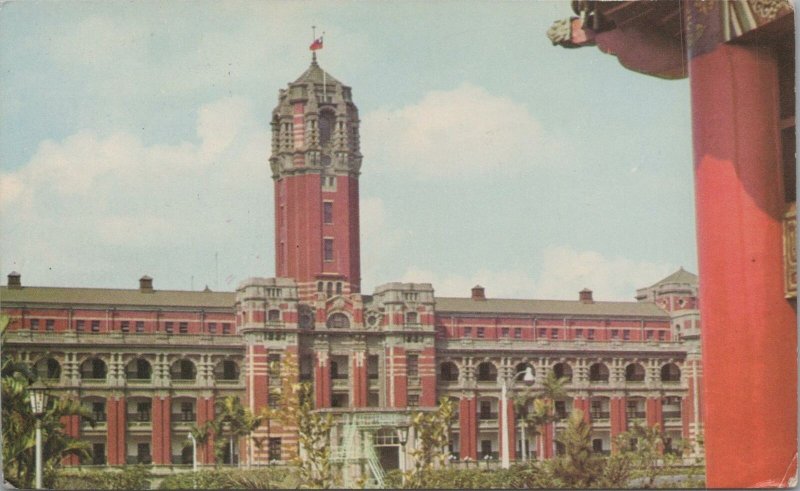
585,296
14,280
478,293
146,284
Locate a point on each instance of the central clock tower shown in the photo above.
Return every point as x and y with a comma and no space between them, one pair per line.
315,165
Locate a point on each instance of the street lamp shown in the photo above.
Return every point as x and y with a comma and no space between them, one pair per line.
194,452
402,437
528,377
38,397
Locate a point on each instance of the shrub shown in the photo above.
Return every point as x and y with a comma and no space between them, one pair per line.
131,477
270,478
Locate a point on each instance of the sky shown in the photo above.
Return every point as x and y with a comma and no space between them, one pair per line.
134,139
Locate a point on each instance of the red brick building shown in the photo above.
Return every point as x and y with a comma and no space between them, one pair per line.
151,363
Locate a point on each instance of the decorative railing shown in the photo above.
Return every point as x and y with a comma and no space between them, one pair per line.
636,415
487,416
599,415
184,417
672,414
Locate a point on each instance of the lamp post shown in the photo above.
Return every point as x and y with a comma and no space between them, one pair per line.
402,437
528,377
194,452
38,397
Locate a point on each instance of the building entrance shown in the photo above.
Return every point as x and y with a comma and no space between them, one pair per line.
389,457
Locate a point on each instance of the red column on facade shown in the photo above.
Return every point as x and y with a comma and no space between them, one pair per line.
547,435
71,425
619,423
166,430
322,380
116,426
397,378
257,382
156,422
468,428
749,328
205,413
427,369
654,413
582,404
359,379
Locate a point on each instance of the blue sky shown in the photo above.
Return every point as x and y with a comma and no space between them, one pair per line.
134,140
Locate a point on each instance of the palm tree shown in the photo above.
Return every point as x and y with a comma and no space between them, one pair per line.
201,435
234,420
543,405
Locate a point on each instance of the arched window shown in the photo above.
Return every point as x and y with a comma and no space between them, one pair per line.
329,289
634,373
47,368
138,369
226,370
94,369
598,373
183,370
326,123
338,321
670,373
448,372
563,370
487,372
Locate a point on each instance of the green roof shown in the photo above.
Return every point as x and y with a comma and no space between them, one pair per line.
114,297
680,276
316,75
548,307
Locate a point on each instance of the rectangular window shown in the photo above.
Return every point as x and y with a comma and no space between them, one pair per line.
662,335
80,326
226,328
274,400
626,335
614,334
168,327
95,326
49,325
413,400
139,326
412,365
212,327
34,324
327,212
274,449
517,333
328,249
481,332
543,333
467,332
578,333
648,335
590,333
183,328
553,333
124,326
504,332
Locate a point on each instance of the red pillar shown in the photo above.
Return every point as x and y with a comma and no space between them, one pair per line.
468,427
166,430
115,425
396,376
210,414
205,412
71,425
653,412
359,378
322,380
547,434
427,369
582,404
619,423
156,436
749,328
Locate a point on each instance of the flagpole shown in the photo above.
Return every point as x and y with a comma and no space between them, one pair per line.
324,79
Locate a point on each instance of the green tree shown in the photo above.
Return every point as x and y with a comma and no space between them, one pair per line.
235,421
579,466
431,435
542,403
19,424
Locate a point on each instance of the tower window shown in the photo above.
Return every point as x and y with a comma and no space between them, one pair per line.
326,122
327,212
328,250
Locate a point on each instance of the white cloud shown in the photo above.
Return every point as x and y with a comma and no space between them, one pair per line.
96,207
565,271
464,131
498,284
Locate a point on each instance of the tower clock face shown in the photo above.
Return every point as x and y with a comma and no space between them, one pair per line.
326,160
373,319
